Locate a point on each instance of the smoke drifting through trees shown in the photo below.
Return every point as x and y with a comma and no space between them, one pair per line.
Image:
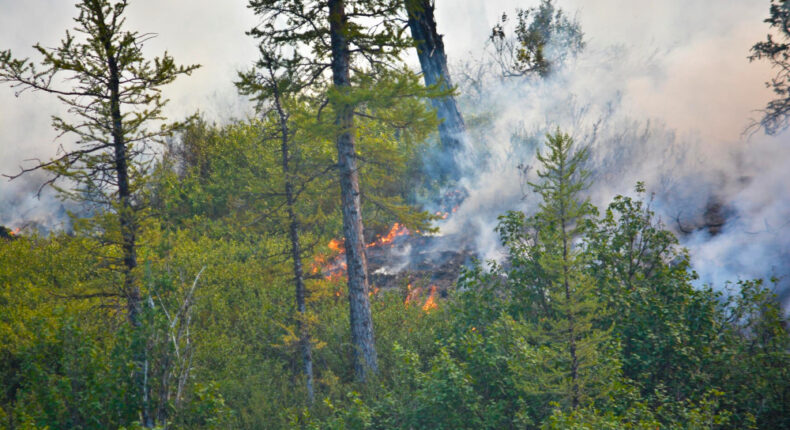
691,174
678,59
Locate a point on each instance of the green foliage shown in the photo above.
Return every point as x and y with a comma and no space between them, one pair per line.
662,321
543,39
590,322
776,50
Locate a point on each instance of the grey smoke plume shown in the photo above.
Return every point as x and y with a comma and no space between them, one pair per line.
666,111
662,93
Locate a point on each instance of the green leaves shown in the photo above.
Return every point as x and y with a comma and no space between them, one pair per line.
776,50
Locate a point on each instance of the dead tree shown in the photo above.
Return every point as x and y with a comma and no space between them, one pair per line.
433,61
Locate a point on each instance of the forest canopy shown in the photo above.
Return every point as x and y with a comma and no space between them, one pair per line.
289,269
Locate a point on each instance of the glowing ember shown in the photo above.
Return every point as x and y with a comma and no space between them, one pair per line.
431,302
14,232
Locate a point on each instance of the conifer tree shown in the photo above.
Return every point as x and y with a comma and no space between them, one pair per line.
269,85
342,51
113,96
551,264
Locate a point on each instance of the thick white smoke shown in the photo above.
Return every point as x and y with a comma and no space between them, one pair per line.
662,93
671,113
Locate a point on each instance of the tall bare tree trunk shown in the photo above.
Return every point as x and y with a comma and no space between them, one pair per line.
433,61
365,360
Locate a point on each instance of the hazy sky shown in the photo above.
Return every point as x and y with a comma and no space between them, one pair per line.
702,79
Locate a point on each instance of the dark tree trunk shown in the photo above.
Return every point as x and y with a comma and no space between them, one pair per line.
365,360
127,221
296,249
433,60
125,211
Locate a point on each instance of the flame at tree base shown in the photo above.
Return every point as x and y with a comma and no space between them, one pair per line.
332,268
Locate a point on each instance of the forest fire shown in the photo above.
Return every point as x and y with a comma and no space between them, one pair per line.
335,266
430,264
413,294
430,303
396,231
7,233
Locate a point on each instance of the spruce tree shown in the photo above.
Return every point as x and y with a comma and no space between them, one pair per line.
550,263
113,94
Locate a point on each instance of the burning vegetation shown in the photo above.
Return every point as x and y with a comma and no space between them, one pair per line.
428,266
7,233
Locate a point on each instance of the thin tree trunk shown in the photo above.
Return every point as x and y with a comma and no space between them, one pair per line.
433,60
296,249
571,318
365,360
126,218
125,211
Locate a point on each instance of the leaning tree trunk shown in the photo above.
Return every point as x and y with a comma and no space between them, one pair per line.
433,60
364,353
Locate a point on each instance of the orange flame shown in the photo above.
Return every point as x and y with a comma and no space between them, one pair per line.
411,294
396,230
431,302
442,215
334,266
15,231
336,246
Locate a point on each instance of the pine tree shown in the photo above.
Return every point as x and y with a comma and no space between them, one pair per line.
550,266
342,51
114,95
